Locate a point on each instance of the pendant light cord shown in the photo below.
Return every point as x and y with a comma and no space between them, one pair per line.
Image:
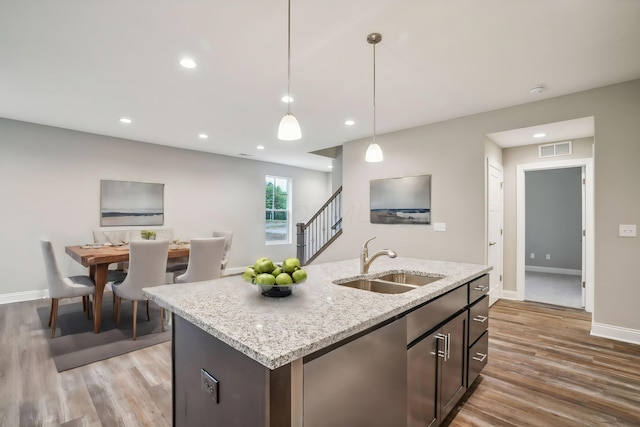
289,57
374,93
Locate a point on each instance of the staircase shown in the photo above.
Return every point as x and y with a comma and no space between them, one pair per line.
321,230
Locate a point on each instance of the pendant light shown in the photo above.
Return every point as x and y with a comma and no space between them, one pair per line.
374,152
289,129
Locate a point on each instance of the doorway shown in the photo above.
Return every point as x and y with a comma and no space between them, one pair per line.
553,236
585,272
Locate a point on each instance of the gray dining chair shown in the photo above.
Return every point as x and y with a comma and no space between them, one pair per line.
228,236
147,265
64,287
205,257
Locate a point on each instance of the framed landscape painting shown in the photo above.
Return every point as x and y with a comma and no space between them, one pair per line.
131,203
404,200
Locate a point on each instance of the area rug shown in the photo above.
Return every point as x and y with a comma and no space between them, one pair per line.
76,344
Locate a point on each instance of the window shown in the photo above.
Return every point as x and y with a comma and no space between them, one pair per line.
277,214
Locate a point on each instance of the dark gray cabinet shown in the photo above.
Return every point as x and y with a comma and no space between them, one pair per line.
437,373
478,340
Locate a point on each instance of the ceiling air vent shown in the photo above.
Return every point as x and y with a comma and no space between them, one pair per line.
556,149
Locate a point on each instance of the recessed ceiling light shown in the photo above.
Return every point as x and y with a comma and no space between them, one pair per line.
536,89
188,63
125,120
260,147
203,136
349,122
287,99
539,135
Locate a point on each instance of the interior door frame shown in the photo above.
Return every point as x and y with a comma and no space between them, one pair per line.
499,272
588,226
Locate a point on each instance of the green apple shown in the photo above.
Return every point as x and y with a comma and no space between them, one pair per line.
290,265
276,271
265,279
283,279
263,265
249,274
299,275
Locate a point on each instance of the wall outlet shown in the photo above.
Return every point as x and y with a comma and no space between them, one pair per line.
532,255
439,226
209,385
548,257
627,230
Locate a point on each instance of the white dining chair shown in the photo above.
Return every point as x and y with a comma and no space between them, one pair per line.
228,236
205,256
64,287
147,266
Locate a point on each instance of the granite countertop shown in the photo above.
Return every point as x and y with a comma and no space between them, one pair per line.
277,331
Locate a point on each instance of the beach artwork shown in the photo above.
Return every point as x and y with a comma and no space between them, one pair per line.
131,203
404,200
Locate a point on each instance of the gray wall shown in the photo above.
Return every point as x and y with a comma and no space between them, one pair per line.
453,152
50,188
553,215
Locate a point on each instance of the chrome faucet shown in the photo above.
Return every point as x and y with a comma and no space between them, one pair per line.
365,261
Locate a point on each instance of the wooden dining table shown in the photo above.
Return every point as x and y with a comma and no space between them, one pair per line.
97,259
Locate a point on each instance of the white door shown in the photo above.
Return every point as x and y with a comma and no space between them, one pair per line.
494,233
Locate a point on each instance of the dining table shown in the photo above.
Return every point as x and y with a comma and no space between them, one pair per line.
98,257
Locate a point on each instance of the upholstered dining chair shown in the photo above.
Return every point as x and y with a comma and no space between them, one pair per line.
228,236
64,287
147,265
205,257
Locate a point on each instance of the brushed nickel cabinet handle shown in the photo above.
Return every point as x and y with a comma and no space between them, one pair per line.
480,319
481,358
442,353
480,288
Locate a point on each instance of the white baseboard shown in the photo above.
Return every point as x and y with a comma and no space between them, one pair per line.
512,295
615,333
554,270
24,296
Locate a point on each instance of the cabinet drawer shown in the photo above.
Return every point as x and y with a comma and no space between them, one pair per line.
478,319
478,288
478,357
435,312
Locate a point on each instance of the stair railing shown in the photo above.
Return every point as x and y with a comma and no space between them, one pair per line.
321,230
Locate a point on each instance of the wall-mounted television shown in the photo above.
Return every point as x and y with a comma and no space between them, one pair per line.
403,200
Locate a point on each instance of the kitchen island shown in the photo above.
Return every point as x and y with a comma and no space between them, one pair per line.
324,354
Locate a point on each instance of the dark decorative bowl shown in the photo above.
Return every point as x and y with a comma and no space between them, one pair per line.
275,291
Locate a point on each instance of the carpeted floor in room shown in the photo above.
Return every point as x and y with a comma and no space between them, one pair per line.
558,289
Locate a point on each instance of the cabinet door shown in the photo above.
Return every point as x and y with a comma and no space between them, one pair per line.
453,367
422,380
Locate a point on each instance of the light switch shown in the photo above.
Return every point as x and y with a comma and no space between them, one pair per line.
627,230
439,226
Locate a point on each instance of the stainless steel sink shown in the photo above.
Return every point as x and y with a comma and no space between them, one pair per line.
408,279
378,286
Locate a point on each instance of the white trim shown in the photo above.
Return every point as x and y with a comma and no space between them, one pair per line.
554,270
587,163
512,295
24,296
615,333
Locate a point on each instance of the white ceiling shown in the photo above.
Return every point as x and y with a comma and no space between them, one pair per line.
554,132
82,64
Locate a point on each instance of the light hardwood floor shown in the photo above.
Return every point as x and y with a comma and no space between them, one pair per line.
544,370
